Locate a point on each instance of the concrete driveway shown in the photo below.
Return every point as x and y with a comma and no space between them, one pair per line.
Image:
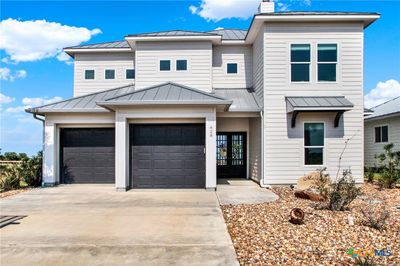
93,224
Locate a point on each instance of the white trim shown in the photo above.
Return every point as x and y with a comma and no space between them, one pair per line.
134,70
226,68
176,65
72,51
159,65
309,65
323,147
388,128
105,70
94,74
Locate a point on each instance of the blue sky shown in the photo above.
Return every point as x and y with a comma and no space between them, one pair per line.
29,78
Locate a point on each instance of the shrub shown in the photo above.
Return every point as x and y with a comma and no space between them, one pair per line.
10,177
369,173
390,163
323,183
375,219
364,261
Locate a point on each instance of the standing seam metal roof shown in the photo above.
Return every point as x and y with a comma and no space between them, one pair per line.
244,100
387,108
319,102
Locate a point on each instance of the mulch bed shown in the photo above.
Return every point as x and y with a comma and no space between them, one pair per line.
263,235
13,192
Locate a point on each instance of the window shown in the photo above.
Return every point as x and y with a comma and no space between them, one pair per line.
110,74
130,74
300,62
181,65
314,143
165,65
382,134
89,74
231,68
327,60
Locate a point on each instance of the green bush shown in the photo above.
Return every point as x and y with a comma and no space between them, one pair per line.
369,173
390,165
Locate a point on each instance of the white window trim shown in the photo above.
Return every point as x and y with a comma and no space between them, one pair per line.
105,70
232,74
382,142
323,147
126,69
309,65
170,65
94,74
336,63
187,65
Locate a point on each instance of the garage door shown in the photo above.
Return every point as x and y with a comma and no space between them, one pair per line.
87,155
167,156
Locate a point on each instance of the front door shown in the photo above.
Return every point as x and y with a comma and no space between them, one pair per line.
231,155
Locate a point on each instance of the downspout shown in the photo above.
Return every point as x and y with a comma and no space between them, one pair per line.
35,115
262,184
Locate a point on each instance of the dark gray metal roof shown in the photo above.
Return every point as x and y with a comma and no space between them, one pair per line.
173,33
231,34
166,93
86,103
385,109
244,100
115,44
315,103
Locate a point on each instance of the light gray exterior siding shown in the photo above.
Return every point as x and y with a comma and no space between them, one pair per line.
198,55
255,147
258,66
371,147
240,54
283,145
99,62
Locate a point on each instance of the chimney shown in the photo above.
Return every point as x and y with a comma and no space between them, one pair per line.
266,6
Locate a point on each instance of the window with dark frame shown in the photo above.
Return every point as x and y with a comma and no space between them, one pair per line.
89,74
300,62
130,74
314,142
231,68
381,134
327,61
181,65
165,65
110,74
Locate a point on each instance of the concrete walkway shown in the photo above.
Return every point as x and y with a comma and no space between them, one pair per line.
94,225
242,191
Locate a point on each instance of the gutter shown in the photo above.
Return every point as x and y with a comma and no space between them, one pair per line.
262,184
35,116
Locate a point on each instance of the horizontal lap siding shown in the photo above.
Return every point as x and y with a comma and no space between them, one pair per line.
198,54
370,147
255,163
100,62
242,55
258,66
283,146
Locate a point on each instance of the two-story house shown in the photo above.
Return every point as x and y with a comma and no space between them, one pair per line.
179,109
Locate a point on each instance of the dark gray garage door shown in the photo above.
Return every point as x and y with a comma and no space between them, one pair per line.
87,155
167,156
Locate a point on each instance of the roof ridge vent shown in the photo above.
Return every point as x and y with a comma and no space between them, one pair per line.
266,6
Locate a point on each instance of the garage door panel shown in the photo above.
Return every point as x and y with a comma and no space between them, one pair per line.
174,156
87,155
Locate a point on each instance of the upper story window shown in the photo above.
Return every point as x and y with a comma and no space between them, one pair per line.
130,74
300,62
314,142
165,65
181,65
89,74
110,74
232,68
382,134
327,61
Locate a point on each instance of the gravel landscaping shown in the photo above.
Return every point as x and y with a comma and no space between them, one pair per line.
263,235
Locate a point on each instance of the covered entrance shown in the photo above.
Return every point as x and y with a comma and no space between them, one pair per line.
231,154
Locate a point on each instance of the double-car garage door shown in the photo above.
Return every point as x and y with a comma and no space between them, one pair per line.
161,155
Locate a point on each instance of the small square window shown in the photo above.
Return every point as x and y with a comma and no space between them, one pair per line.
89,74
110,74
232,68
130,74
165,65
381,134
181,65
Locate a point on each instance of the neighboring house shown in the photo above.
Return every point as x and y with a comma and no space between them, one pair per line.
183,108
381,127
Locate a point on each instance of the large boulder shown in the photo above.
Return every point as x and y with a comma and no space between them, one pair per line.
308,195
308,181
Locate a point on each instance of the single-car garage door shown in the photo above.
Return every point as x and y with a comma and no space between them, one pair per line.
87,155
167,156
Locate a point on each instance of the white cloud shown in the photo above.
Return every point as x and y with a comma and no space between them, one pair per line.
383,92
218,28
31,102
63,57
216,10
32,40
7,75
6,99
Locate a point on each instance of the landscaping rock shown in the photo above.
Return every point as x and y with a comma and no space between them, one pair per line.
307,181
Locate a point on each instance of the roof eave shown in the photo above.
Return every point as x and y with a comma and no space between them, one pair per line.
72,51
369,118
215,39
